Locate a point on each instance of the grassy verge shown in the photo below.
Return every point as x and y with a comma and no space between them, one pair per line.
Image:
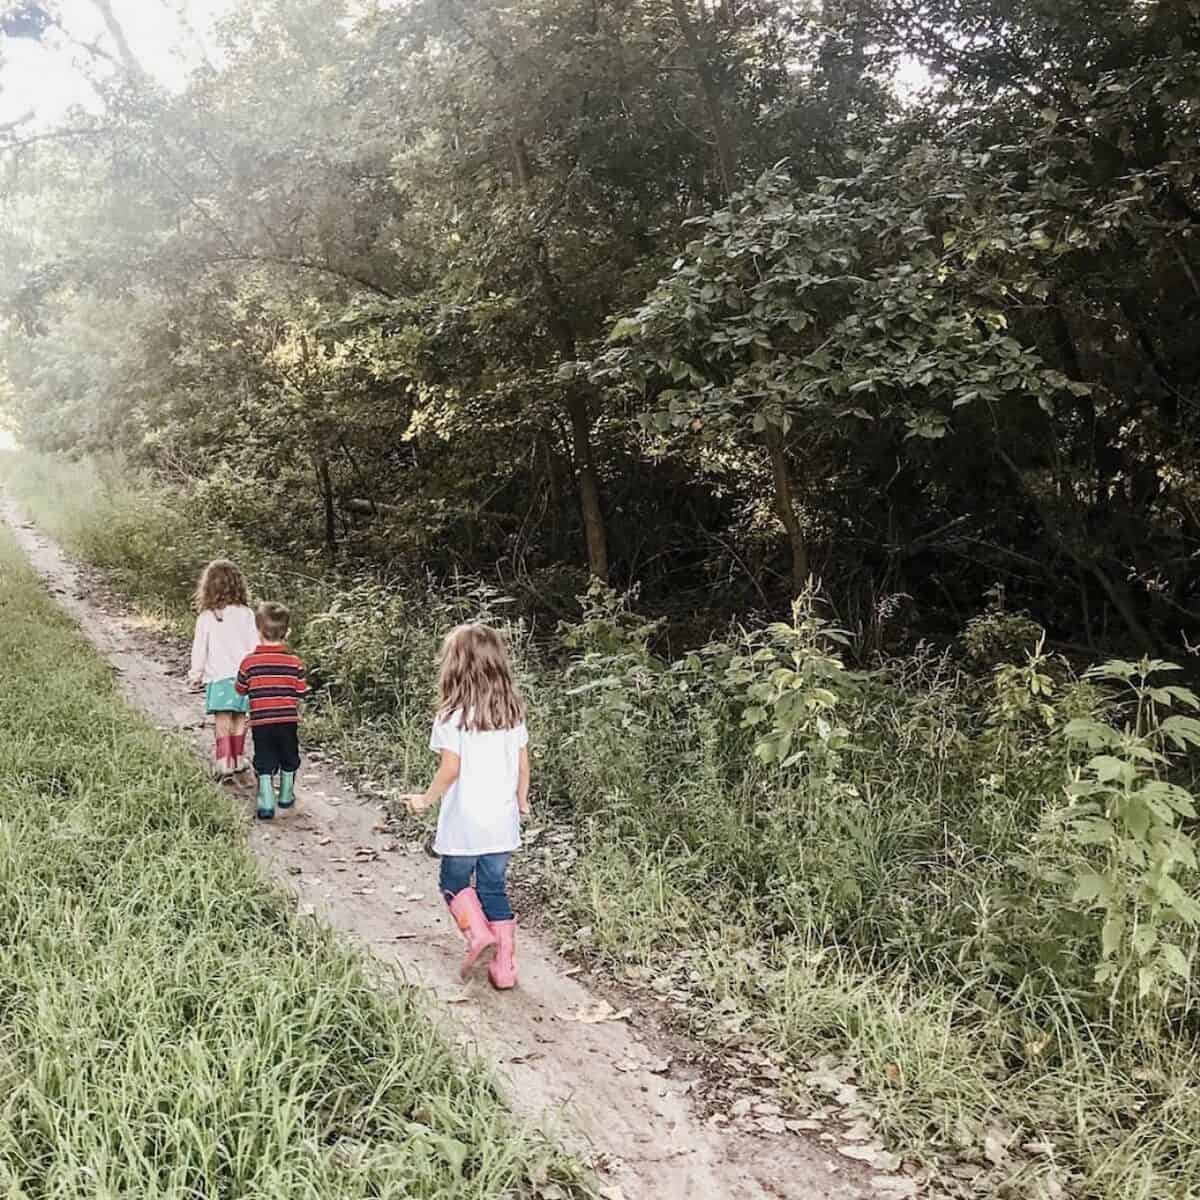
891,922
167,1027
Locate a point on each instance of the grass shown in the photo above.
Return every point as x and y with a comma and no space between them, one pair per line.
168,1027
889,913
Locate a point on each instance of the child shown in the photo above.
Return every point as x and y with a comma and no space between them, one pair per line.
273,679
225,634
483,783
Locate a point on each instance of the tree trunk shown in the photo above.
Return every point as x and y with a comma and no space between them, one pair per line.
710,89
589,484
785,509
325,487
563,334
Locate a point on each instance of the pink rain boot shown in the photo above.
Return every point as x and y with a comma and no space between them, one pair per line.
503,971
468,914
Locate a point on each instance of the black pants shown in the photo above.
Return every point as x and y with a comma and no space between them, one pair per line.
276,748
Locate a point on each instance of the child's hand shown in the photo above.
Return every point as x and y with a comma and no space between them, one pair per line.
416,802
523,805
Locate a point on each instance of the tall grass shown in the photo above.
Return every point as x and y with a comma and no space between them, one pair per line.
896,893
167,1027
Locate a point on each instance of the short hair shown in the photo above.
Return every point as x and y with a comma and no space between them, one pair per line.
273,620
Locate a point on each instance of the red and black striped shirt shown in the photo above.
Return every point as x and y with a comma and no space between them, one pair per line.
273,677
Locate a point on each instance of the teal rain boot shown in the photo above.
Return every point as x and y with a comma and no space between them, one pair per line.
266,799
287,789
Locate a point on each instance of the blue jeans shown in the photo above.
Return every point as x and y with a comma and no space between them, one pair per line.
490,871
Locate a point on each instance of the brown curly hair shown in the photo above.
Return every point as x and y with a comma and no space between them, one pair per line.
221,585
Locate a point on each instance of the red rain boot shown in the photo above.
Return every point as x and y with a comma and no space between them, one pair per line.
468,915
503,971
223,753
237,751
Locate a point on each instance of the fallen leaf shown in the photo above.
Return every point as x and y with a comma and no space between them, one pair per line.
859,1131
875,1156
596,1014
740,1108
995,1145
898,1186
804,1126
772,1125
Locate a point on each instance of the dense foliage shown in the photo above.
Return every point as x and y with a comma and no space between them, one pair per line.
968,886
685,293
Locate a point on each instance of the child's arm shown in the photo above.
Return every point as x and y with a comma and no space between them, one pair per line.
523,782
199,650
443,781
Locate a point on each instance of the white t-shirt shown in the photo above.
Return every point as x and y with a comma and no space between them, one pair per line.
480,813
221,642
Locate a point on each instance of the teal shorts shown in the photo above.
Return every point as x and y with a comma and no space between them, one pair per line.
221,696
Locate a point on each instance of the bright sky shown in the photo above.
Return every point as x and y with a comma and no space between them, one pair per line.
42,76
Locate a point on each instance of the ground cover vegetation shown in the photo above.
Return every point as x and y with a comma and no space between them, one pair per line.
168,1027
438,310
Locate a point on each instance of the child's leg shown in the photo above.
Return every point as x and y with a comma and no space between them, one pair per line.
237,739
289,763
223,724
266,763
454,879
491,882
454,875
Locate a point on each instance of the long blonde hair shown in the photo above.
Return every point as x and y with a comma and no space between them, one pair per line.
476,680
221,585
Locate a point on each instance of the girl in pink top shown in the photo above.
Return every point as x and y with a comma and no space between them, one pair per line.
225,634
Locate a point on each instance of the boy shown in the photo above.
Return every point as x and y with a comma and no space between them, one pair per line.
273,677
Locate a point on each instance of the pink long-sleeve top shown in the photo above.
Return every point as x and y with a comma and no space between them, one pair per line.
223,638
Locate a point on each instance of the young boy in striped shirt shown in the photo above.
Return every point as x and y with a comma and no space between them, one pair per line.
273,677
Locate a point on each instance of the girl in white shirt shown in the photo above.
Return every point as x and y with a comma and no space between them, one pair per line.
225,634
482,782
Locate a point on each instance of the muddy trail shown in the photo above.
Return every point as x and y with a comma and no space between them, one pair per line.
593,1082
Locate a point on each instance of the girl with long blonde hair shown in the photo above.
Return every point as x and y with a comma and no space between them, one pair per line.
225,634
482,782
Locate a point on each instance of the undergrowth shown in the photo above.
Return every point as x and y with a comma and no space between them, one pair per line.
167,1027
972,877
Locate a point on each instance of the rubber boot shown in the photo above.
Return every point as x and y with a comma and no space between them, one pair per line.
222,754
266,799
287,789
237,751
503,971
468,915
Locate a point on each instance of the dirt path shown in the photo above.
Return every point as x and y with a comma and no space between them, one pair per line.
571,1078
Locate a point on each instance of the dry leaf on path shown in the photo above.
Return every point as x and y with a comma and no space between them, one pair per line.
875,1156
898,1186
596,1014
